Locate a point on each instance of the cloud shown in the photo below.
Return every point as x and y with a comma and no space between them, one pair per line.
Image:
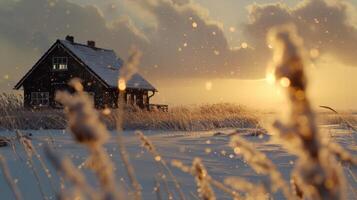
183,42
324,25
177,38
28,28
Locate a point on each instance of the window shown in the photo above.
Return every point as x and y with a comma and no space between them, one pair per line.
40,98
59,63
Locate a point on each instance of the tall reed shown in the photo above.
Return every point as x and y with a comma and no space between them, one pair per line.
30,150
9,179
261,164
71,173
125,74
158,158
317,173
87,129
204,180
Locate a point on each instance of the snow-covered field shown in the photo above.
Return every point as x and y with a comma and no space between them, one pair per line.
213,148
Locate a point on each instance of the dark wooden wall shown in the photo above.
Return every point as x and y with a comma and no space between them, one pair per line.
44,79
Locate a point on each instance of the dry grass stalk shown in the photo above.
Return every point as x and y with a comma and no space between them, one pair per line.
349,125
129,168
84,124
9,104
15,116
152,149
260,163
204,188
317,173
9,179
83,120
71,173
125,74
157,189
30,150
70,194
13,147
341,153
199,172
251,191
162,176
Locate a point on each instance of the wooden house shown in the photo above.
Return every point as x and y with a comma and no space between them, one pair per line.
98,69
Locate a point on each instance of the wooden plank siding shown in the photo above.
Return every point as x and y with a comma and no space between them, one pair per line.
44,79
97,68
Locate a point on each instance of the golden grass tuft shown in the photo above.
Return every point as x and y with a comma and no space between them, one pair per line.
181,118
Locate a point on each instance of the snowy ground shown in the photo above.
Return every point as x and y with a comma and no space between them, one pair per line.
214,151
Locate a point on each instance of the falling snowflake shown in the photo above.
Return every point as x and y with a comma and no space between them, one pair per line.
208,85
208,150
270,78
232,29
52,3
314,53
158,158
284,82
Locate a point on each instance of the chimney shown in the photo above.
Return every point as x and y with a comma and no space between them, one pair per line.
70,38
91,43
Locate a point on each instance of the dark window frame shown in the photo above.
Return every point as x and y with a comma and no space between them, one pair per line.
40,99
59,63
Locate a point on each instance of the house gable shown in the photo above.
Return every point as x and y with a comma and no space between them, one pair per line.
45,63
44,79
43,57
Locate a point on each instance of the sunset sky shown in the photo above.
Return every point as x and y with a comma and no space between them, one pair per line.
194,51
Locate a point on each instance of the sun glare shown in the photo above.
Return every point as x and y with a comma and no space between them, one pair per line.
208,85
270,78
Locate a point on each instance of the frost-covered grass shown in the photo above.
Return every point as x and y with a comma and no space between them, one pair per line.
200,117
14,116
340,118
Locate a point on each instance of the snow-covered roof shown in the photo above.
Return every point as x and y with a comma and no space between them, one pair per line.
106,64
